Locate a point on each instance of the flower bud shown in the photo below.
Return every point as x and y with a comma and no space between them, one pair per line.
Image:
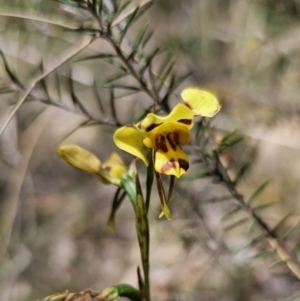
79,158
114,166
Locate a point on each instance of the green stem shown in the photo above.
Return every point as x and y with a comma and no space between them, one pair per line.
142,229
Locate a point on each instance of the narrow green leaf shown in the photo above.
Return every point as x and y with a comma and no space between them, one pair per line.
276,264
182,78
227,145
263,206
283,220
116,4
96,57
235,210
149,59
98,99
75,99
147,39
112,104
166,73
10,73
89,31
82,124
140,36
296,248
132,88
119,11
117,201
121,95
236,224
129,22
114,63
264,254
115,77
253,242
243,170
43,82
57,85
228,135
258,191
292,230
143,9
251,227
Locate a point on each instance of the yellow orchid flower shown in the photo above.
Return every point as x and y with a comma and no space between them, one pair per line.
166,134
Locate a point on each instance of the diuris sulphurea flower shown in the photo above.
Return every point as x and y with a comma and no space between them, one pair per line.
165,135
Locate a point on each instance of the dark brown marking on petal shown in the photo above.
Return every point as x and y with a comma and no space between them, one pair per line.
152,126
160,143
188,105
107,168
183,164
185,121
173,139
167,166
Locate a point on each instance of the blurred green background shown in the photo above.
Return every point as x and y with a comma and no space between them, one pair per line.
247,53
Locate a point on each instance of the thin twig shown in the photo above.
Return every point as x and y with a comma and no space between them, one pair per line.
43,76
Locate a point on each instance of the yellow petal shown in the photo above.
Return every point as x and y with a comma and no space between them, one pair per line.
171,162
201,102
130,140
175,132
181,114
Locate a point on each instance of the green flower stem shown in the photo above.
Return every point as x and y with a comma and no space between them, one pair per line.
142,229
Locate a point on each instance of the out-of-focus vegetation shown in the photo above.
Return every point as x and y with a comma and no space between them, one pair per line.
53,218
